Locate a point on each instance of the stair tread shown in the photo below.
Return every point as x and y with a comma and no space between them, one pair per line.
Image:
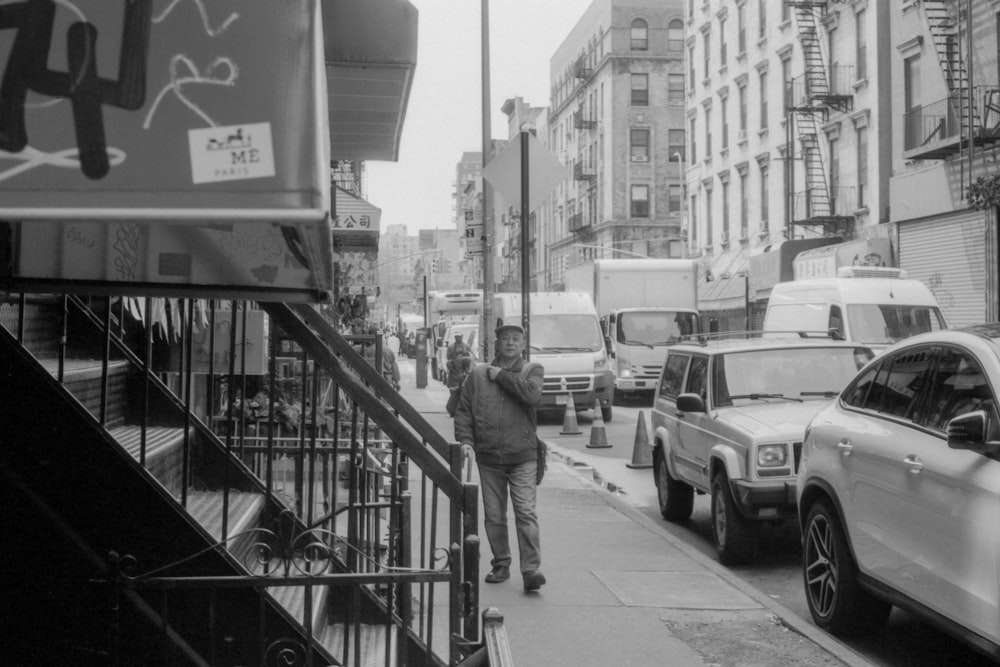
159,439
82,368
206,508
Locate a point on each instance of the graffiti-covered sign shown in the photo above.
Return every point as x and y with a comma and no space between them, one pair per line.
184,110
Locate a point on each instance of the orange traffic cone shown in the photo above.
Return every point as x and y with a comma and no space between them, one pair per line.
642,453
570,427
598,438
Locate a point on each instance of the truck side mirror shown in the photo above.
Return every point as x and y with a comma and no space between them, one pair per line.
608,347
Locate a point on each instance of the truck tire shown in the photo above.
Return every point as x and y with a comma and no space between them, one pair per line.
735,536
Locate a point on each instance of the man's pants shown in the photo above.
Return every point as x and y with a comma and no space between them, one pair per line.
495,481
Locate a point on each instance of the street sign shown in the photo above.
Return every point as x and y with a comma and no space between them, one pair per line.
545,172
474,231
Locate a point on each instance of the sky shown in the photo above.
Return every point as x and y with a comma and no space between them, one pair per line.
444,113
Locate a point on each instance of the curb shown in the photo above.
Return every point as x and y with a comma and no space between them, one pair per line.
611,494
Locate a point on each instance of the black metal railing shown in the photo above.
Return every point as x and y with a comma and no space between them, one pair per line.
273,404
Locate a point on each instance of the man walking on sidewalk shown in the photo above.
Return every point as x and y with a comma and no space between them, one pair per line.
496,419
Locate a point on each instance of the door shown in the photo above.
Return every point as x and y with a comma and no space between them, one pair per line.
693,437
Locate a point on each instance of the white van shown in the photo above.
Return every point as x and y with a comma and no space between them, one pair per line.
565,337
873,306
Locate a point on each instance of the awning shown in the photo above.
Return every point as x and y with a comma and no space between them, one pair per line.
371,55
724,285
772,264
355,223
824,262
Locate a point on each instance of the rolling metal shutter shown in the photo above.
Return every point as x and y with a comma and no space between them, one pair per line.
948,253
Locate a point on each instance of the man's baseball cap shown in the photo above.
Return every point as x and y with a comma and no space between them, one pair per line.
509,327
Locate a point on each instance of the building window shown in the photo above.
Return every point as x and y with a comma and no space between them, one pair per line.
676,144
786,14
708,133
639,143
724,112
707,52
763,100
913,118
675,89
722,40
741,27
674,203
693,224
862,167
640,90
786,84
709,232
675,35
834,145
743,108
725,210
762,19
744,203
861,46
693,134
765,195
691,75
640,201
640,35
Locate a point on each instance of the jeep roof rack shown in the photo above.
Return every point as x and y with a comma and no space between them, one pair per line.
704,338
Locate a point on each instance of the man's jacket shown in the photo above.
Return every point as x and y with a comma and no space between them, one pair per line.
497,417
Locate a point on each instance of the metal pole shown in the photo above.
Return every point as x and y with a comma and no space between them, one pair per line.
488,279
525,268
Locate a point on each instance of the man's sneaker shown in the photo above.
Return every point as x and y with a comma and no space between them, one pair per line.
498,574
533,580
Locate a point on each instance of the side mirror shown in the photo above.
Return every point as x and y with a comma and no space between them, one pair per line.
690,403
608,347
966,431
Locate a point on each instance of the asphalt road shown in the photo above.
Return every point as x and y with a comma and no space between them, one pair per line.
906,640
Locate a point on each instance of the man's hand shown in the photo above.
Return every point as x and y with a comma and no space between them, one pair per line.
467,451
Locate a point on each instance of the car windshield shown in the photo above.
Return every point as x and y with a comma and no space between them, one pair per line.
654,328
798,317
878,324
791,373
561,333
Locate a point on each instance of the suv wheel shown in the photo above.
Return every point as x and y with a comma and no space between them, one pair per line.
836,601
676,498
735,537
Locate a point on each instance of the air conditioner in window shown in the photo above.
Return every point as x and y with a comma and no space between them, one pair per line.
741,135
640,158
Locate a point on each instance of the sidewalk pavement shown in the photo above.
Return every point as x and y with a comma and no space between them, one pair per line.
623,591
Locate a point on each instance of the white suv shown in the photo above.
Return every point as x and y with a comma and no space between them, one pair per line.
899,491
728,419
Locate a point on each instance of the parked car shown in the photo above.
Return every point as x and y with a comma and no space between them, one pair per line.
728,420
899,491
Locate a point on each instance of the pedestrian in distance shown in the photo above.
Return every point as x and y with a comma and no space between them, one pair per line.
496,421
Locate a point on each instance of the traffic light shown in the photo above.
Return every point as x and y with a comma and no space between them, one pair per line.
435,265
445,265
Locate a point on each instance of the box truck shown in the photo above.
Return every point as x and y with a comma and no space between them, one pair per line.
643,305
564,336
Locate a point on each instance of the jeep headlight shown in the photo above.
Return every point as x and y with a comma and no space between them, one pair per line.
772,456
625,372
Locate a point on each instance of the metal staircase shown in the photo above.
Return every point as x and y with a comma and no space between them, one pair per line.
944,128
816,94
226,541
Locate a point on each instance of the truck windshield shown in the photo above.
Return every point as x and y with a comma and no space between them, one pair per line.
798,317
654,327
882,324
565,332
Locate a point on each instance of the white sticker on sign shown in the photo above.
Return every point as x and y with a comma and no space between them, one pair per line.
231,153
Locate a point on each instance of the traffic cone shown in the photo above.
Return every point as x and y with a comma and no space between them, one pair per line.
598,438
570,427
642,453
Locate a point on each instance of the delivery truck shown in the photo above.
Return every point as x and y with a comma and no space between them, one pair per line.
565,337
643,306
446,308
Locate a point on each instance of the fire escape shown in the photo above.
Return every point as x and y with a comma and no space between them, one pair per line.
945,127
817,207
